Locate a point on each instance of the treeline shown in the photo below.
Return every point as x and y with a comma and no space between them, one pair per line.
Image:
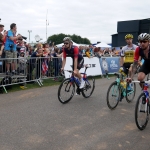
58,38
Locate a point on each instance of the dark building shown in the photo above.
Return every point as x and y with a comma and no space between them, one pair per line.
134,27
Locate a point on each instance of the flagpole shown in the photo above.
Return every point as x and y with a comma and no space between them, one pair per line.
46,25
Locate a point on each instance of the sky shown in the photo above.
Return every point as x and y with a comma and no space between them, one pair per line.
92,19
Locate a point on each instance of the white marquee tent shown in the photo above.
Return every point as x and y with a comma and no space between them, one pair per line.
103,45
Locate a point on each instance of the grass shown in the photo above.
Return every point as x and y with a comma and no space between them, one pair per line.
46,82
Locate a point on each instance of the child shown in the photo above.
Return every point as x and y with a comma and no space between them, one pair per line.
22,63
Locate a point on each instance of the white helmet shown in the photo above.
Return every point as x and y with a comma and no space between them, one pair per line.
67,39
144,36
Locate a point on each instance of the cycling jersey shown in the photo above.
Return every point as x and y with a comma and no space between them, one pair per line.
74,53
145,66
128,53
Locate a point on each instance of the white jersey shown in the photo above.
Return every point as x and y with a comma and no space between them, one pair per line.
128,53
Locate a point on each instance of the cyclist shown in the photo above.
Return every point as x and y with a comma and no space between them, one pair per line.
78,60
127,55
142,51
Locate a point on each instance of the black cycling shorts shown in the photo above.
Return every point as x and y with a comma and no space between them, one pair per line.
145,68
126,67
79,65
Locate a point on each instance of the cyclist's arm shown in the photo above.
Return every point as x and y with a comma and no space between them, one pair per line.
122,58
63,62
64,59
135,63
76,52
121,61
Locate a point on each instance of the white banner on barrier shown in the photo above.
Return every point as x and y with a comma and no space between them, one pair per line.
94,64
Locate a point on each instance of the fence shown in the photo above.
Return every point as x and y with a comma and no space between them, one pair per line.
28,69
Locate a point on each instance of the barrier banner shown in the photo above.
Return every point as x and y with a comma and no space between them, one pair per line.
109,64
93,63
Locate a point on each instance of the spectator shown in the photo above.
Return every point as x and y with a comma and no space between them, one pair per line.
2,38
22,63
98,52
87,53
113,52
56,62
10,49
35,63
91,50
106,52
30,49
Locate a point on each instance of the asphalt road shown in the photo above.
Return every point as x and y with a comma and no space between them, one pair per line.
36,120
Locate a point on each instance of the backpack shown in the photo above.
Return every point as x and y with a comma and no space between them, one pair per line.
6,80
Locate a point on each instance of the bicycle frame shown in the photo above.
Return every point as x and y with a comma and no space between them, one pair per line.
145,91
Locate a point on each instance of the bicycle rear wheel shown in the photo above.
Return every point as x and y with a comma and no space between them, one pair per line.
141,116
113,95
130,94
89,86
66,91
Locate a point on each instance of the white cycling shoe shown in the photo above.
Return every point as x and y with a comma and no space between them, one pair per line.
82,84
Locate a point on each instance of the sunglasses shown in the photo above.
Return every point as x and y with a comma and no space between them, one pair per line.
66,43
143,41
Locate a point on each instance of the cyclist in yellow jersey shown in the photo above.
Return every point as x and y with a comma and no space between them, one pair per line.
127,55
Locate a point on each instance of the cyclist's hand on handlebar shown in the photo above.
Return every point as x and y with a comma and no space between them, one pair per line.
62,69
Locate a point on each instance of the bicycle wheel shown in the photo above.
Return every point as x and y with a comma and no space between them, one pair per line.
66,91
130,94
113,95
141,117
89,86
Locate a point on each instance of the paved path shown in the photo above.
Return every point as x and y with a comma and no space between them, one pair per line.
36,120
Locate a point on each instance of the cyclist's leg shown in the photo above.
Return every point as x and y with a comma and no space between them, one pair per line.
142,73
125,68
79,66
130,70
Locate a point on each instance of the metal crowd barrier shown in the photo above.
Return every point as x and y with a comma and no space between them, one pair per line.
28,69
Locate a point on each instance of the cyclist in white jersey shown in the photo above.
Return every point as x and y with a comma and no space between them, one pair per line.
127,55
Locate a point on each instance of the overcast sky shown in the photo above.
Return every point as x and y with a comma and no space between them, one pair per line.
93,19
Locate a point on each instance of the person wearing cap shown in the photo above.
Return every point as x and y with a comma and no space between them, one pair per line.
10,48
2,38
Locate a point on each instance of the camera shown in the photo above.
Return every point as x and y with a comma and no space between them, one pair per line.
11,47
24,37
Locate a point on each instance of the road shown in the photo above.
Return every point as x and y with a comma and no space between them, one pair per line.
35,120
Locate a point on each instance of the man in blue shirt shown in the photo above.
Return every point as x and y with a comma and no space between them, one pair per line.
10,48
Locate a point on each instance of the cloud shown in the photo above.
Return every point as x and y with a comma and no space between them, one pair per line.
96,20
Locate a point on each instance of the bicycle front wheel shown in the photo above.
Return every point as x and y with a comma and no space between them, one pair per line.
141,112
66,91
89,86
113,95
130,93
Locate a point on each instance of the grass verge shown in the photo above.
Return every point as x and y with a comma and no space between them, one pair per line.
46,82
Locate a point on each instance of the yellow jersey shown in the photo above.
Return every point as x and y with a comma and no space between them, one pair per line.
128,53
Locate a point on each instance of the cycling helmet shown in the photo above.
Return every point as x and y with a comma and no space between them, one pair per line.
67,39
129,36
144,36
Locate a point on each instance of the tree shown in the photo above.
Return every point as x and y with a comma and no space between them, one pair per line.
58,38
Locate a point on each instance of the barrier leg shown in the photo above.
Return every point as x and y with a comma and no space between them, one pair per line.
5,89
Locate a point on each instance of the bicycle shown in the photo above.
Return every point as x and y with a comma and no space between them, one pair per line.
69,86
118,90
142,107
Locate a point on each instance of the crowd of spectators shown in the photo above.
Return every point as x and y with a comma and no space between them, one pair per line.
92,51
41,59
20,58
